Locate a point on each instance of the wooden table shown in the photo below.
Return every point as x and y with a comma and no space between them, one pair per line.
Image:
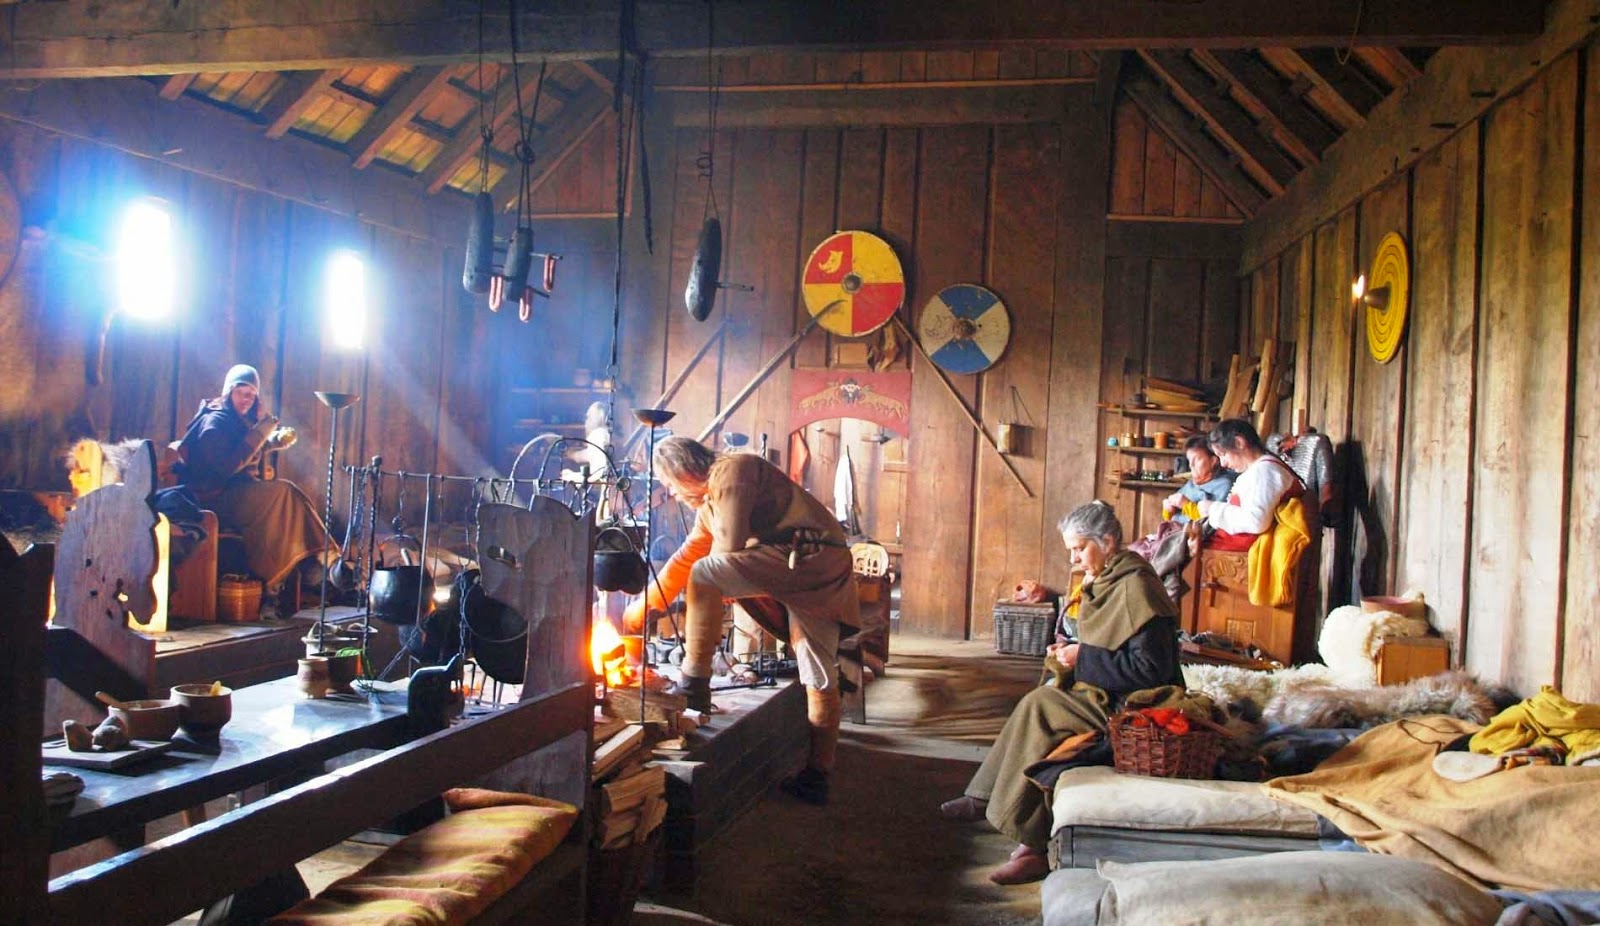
275,733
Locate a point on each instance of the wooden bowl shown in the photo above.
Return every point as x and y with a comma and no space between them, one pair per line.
149,719
202,713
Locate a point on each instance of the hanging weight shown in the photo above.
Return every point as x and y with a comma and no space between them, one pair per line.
519,260
480,246
701,293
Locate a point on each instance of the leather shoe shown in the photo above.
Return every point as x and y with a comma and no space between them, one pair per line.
965,809
810,786
1026,868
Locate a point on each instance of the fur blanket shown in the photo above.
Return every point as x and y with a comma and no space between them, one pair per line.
1310,696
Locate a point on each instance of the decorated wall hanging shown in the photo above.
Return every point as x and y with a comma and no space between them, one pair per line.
881,398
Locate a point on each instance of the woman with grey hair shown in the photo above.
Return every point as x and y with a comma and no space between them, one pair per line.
1127,642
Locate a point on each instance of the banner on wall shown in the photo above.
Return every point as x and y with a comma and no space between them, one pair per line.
882,398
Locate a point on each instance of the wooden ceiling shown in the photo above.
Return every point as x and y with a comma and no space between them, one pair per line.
1254,91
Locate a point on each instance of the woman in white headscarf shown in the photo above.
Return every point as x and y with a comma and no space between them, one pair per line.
221,443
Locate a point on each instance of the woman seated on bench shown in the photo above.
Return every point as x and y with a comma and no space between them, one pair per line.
1264,482
1128,630
227,435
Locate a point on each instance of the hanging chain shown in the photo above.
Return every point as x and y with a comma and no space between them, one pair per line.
706,163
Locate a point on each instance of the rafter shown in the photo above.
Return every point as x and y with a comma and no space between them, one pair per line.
905,105
1227,122
394,116
1295,126
1391,64
1310,85
92,38
465,145
556,142
187,134
292,99
1180,126
175,85
1344,78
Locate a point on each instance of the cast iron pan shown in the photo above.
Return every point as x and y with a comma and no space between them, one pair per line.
498,634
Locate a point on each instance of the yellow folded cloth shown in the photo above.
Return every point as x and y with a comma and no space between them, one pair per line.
447,872
1547,719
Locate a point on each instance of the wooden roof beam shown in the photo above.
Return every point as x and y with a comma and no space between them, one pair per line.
1314,88
1390,64
394,115
190,135
91,38
556,143
1344,77
292,99
1293,123
1259,157
1179,126
175,85
465,145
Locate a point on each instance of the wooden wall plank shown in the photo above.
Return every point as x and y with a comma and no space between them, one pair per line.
1377,410
1517,534
1127,172
1080,260
1263,308
819,182
951,202
1298,264
764,255
1122,358
1332,336
1579,672
1160,173
1009,522
1219,327
1436,460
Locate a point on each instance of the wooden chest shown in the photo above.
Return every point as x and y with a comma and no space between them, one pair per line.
1219,602
1402,659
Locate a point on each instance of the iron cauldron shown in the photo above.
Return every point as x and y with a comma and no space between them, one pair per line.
618,567
400,593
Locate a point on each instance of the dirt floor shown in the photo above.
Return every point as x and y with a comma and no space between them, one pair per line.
879,853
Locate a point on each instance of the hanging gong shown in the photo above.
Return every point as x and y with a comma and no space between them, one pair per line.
1388,291
853,283
701,292
964,328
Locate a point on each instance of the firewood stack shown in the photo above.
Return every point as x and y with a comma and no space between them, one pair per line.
632,795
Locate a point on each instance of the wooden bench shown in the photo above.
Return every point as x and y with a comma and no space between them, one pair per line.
541,744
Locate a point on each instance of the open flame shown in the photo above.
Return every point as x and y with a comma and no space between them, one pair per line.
607,654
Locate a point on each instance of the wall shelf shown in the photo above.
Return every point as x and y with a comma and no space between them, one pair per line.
1144,484
1149,451
1128,411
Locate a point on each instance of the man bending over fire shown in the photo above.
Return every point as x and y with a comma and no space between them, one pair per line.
757,534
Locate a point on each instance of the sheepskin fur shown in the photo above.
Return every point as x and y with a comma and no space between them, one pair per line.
1310,696
1351,638
1455,693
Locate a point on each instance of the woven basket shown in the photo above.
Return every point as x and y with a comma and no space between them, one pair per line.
1150,750
238,599
1023,628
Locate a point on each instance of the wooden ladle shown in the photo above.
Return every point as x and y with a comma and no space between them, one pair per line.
108,700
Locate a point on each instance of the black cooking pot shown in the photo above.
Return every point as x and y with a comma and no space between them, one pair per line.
618,567
497,633
401,593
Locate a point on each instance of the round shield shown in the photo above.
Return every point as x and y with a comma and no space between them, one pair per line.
1386,297
853,283
964,328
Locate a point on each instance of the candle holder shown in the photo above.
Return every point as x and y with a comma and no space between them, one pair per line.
651,418
337,401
